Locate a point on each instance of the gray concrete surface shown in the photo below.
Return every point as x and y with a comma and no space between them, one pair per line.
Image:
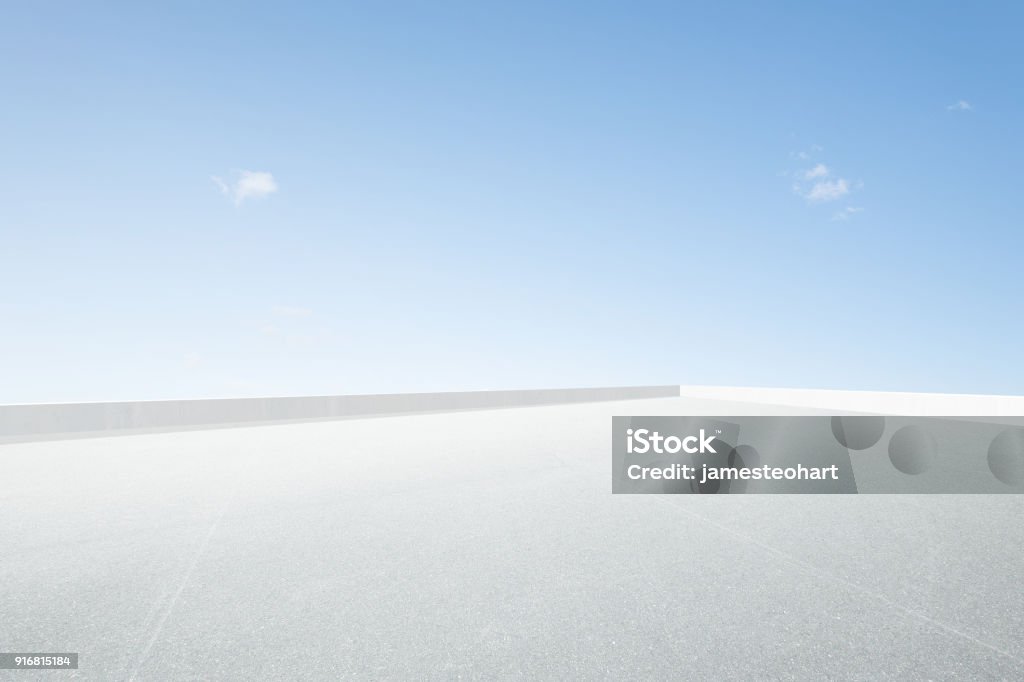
482,545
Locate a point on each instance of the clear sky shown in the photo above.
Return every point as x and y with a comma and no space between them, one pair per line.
217,199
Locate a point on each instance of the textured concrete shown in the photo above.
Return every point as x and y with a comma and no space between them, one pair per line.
482,544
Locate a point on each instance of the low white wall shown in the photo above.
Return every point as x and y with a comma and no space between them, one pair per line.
877,402
31,422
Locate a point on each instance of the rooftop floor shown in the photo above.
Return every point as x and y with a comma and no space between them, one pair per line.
482,544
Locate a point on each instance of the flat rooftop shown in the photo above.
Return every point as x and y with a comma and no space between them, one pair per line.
483,544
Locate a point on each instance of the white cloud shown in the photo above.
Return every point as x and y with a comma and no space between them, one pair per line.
960,105
827,190
820,184
819,171
247,185
847,213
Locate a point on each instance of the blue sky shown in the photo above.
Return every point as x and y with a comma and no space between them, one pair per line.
211,199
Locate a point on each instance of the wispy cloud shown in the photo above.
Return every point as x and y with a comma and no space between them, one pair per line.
827,190
847,213
246,185
803,155
819,171
960,105
819,184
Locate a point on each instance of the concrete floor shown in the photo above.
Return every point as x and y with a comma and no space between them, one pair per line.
480,545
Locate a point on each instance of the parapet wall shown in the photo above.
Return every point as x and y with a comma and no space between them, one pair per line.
46,421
